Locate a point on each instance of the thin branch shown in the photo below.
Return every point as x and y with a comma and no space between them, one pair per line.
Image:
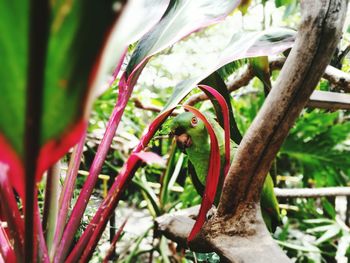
140,105
240,81
333,100
313,192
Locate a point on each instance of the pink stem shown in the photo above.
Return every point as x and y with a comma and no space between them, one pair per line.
67,192
6,251
12,215
80,206
93,232
43,253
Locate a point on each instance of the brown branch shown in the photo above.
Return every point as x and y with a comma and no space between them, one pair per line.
318,99
240,81
140,105
177,226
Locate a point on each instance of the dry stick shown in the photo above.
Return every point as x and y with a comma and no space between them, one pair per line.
237,229
312,192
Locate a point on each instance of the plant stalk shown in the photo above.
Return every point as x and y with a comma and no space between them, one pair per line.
67,193
51,203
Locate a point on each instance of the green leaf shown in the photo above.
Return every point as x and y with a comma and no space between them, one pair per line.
182,18
249,44
330,233
261,70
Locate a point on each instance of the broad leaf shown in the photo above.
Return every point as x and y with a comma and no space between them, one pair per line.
76,38
251,44
136,19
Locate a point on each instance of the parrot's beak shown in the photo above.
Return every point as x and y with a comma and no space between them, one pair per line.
183,141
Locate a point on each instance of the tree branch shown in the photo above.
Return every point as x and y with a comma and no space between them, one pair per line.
312,192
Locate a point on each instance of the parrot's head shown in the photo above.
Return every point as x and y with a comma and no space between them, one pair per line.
188,130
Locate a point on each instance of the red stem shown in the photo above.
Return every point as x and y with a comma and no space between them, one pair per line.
6,251
114,243
93,232
68,235
67,192
43,253
12,215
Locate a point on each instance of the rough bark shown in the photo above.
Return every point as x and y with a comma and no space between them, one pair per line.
236,231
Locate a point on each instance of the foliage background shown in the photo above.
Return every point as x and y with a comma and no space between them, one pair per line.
315,154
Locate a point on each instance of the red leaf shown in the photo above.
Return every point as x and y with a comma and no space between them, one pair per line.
226,116
54,149
213,175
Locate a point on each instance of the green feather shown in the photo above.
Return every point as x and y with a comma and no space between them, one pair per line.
198,154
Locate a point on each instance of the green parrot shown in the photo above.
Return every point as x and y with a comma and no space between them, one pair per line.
192,138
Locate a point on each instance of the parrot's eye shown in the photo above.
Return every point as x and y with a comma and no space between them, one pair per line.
194,121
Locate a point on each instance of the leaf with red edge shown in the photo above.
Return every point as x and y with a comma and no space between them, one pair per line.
136,19
212,177
250,44
77,33
181,18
